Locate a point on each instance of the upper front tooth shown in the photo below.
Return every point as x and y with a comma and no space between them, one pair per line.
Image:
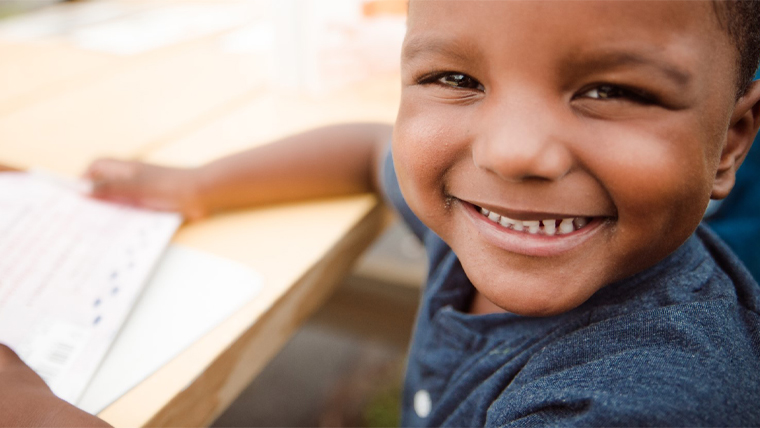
506,221
566,226
532,225
484,211
550,227
494,217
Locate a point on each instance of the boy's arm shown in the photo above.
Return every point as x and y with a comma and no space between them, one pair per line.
26,401
330,161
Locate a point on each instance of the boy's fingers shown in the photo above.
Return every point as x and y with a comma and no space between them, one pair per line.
10,361
111,169
11,367
104,188
137,184
113,178
25,399
8,357
94,169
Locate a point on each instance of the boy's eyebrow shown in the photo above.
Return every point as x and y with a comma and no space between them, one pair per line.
417,46
621,59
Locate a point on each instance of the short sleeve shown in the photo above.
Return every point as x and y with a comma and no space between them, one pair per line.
392,194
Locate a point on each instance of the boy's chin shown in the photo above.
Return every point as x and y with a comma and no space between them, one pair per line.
530,296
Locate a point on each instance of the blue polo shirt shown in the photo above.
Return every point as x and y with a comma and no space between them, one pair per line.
677,344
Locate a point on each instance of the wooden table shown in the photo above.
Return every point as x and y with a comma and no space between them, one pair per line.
184,104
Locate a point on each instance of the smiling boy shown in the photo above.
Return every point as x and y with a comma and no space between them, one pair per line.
564,150
611,115
556,158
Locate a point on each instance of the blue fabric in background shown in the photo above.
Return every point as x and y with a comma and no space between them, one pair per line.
737,221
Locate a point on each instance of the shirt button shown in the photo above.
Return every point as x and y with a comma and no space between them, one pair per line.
422,403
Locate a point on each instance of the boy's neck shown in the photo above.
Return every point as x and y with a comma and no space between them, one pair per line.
481,305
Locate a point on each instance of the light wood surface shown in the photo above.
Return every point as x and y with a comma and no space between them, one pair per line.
185,104
37,70
127,112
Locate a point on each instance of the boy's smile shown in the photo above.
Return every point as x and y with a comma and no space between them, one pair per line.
549,237
558,147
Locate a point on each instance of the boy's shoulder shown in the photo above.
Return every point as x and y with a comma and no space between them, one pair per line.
682,367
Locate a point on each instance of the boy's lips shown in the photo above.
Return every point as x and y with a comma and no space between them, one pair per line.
533,233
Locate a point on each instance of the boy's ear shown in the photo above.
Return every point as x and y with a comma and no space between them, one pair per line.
744,124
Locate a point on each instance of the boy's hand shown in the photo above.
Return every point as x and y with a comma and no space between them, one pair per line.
148,186
26,401
336,160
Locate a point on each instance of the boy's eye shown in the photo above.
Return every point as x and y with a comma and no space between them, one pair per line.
460,81
605,92
453,80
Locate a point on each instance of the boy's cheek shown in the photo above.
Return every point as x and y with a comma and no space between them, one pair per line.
417,179
426,144
649,168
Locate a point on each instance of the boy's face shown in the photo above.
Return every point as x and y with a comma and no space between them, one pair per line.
597,128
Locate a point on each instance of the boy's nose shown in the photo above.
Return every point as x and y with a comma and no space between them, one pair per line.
520,143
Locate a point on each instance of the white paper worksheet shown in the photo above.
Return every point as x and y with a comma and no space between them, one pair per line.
190,293
71,269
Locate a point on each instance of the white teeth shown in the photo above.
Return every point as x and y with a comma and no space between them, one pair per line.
532,226
566,226
550,227
580,222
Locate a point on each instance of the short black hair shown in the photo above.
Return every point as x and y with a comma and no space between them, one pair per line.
741,20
